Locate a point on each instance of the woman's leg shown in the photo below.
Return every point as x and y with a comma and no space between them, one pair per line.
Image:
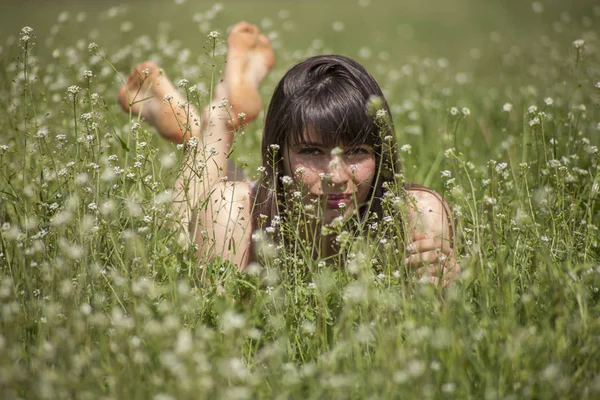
150,94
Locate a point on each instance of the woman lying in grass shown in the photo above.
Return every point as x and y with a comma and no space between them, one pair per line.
321,148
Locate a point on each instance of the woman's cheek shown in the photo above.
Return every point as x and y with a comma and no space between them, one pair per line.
303,179
365,172
309,180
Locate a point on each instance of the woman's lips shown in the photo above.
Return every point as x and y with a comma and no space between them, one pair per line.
335,200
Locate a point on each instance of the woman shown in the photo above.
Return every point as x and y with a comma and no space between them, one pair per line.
319,145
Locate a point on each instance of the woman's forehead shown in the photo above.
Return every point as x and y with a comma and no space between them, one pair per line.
323,139
309,136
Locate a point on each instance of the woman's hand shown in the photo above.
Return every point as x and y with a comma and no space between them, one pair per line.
431,252
433,258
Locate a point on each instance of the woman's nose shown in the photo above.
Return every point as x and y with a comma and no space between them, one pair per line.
338,171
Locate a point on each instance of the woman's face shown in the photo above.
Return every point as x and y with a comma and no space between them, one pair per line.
336,179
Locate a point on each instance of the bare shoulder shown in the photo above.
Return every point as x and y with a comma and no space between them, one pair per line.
429,214
226,223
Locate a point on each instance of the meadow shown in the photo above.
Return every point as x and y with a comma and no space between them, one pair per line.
496,105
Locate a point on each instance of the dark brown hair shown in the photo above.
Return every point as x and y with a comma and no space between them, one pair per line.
328,95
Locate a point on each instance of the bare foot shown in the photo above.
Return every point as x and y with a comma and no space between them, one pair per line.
249,59
150,94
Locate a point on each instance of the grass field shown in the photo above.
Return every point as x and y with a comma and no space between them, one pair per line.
496,105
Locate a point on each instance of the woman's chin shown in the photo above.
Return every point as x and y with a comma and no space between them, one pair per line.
329,214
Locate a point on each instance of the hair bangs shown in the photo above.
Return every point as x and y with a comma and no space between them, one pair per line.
334,114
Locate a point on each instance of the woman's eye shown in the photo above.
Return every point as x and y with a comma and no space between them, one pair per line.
357,151
310,151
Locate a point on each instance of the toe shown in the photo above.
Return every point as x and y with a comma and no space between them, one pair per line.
149,65
263,41
142,70
243,35
244,27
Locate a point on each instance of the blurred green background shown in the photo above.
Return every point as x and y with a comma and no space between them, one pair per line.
435,28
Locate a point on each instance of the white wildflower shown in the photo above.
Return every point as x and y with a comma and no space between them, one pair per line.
364,52
578,44
286,180
213,35
338,26
232,321
337,151
26,36
450,181
591,149
554,163
461,78
490,200
450,152
324,176
74,89
501,167
449,387
42,133
93,48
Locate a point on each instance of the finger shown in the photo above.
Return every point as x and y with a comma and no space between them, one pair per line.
435,275
423,245
443,271
429,257
430,270
451,270
431,280
420,235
